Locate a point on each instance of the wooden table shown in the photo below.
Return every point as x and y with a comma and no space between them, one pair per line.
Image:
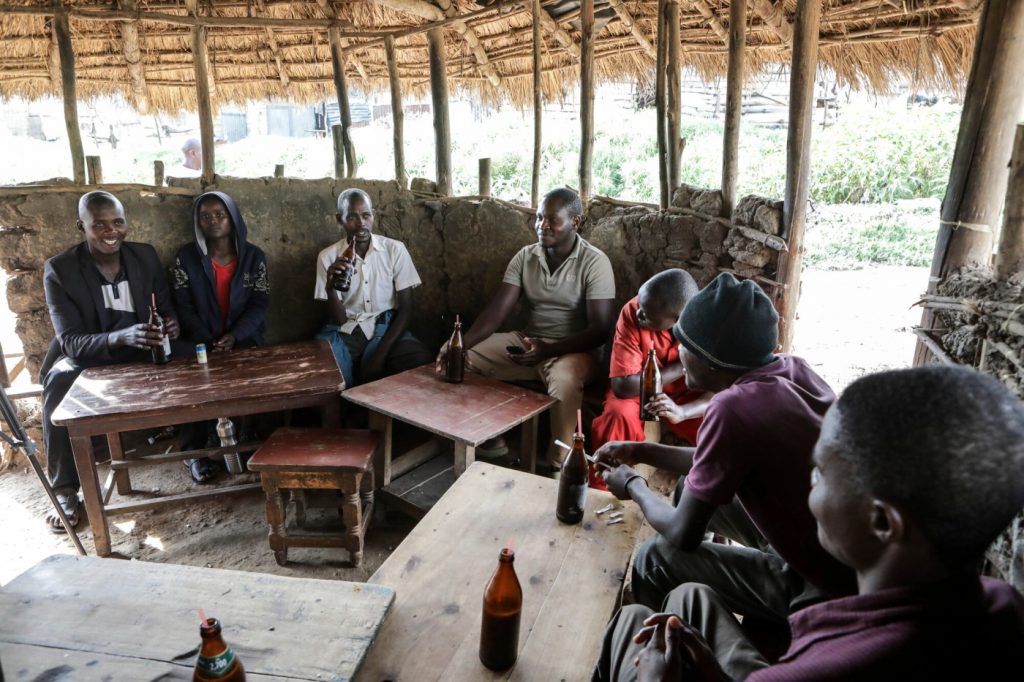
80,618
117,398
468,414
570,575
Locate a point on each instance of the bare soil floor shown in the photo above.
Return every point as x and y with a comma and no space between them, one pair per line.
851,323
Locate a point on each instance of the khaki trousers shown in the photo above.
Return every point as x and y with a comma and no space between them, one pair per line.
564,377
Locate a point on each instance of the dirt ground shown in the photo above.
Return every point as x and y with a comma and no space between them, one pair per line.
850,323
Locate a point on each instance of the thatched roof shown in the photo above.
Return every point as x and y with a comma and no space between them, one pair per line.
142,49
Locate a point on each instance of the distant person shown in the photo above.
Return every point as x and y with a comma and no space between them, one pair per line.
568,287
914,475
368,325
99,294
192,160
645,322
221,291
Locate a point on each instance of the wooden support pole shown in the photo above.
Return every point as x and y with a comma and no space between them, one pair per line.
659,106
397,115
439,100
338,64
586,97
339,151
992,105
133,57
733,104
67,78
798,149
537,105
95,168
205,106
1010,258
279,170
485,177
673,93
158,173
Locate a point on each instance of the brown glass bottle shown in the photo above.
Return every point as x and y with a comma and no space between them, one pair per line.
503,605
455,359
572,484
343,281
161,353
650,385
216,659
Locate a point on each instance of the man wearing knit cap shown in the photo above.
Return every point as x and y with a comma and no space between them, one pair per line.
749,476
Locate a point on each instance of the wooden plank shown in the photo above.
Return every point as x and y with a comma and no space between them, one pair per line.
465,455
282,628
570,577
382,424
94,166
402,486
484,182
167,457
798,161
528,445
182,499
411,459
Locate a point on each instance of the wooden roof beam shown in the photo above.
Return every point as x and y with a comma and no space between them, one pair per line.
473,41
555,30
330,13
133,56
774,16
712,19
629,22
274,49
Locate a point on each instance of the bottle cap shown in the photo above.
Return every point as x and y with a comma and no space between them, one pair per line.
200,347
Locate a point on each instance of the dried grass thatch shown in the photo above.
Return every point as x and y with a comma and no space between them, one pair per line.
142,49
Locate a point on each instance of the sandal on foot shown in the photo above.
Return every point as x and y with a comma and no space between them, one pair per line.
69,504
203,470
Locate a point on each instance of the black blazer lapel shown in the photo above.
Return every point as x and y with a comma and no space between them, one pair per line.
91,280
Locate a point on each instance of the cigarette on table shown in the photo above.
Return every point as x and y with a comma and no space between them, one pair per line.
604,509
612,522
615,515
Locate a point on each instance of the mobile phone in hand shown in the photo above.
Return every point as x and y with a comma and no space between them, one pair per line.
515,350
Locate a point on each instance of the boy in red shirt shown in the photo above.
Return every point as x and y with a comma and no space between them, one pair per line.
645,322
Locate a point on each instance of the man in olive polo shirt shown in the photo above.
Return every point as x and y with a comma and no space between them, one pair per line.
568,288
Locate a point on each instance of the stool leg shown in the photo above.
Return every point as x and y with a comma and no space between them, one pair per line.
366,489
275,517
353,515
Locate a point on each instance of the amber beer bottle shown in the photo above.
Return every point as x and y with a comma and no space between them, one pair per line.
572,484
503,605
456,356
343,281
161,353
650,385
216,659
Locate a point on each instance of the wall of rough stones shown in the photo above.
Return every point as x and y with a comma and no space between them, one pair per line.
460,247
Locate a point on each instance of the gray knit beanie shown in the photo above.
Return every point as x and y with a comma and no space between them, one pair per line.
729,324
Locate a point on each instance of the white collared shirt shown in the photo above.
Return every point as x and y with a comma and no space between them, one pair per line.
386,270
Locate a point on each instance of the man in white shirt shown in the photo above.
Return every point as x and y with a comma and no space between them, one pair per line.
368,324
191,161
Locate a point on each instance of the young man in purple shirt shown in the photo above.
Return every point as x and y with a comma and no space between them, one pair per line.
747,479
915,474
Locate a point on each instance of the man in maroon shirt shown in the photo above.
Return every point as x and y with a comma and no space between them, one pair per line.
915,474
747,479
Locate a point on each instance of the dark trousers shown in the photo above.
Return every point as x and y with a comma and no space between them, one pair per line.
60,460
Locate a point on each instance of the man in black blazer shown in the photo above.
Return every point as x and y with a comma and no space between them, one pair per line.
99,294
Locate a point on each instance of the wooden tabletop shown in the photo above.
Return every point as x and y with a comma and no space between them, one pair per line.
570,577
270,373
94,619
470,412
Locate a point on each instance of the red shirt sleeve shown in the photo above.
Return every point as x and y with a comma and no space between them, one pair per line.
627,356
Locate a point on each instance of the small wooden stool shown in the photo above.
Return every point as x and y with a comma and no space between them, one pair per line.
296,460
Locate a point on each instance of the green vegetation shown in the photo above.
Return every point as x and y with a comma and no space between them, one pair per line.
846,237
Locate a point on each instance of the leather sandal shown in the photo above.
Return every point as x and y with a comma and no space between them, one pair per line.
70,505
202,469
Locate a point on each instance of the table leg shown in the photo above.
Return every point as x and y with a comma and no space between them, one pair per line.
275,519
81,446
352,513
528,445
122,478
330,413
381,423
464,456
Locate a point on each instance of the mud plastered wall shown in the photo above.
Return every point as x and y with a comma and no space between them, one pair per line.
460,247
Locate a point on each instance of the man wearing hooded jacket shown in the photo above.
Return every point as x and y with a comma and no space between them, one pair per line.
221,291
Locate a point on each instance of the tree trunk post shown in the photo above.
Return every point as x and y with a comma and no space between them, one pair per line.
733,105
537,106
397,115
1010,258
673,94
798,147
439,100
341,87
586,98
485,177
204,104
62,31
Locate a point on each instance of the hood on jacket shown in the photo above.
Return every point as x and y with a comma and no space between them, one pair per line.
239,228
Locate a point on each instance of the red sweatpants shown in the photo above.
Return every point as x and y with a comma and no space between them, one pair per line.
620,420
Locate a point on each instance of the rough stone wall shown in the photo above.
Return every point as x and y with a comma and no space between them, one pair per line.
460,248
989,334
